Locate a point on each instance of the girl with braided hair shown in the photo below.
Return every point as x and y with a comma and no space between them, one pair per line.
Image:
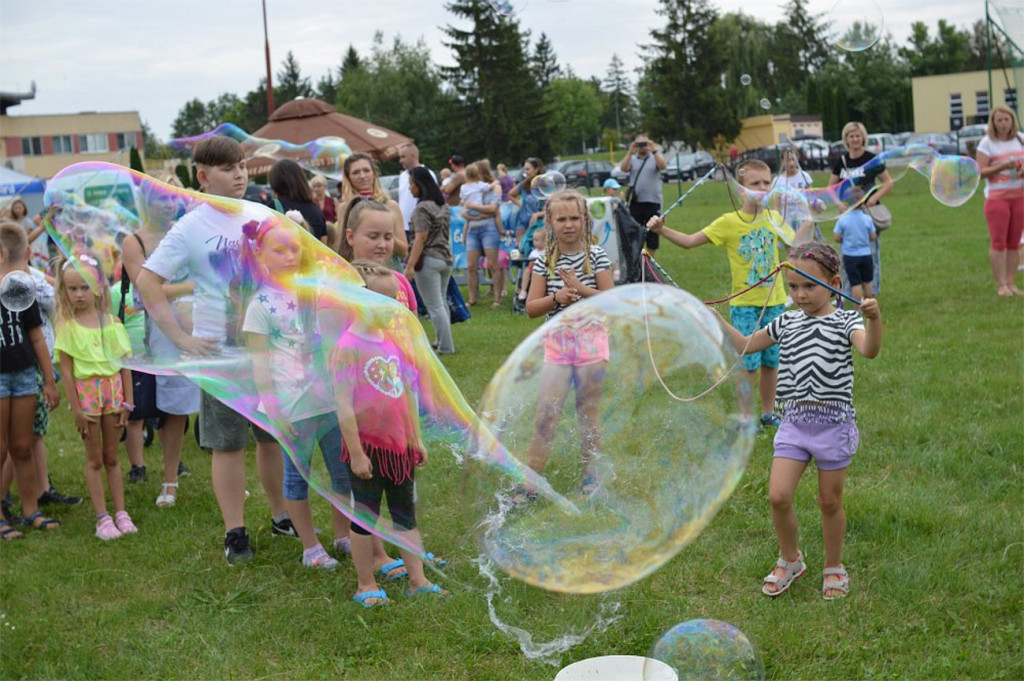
576,348
815,398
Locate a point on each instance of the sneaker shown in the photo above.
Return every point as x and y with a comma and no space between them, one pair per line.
236,546
342,547
283,528
52,496
105,528
124,523
183,472
770,421
318,558
137,474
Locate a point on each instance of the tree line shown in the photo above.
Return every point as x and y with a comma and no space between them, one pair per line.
508,97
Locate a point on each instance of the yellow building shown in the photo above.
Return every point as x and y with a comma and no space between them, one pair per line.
44,144
768,130
948,102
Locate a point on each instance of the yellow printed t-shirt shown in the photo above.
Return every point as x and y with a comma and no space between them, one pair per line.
753,248
95,351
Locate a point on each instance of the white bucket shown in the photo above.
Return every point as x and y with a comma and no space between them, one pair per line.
618,668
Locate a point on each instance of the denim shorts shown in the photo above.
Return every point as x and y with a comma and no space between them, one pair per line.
744,318
18,383
483,237
324,430
831,442
223,429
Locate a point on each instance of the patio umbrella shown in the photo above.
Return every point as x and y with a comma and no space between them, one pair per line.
305,119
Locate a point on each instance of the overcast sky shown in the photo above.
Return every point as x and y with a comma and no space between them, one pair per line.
154,55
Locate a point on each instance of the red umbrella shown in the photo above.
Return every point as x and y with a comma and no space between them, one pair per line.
303,120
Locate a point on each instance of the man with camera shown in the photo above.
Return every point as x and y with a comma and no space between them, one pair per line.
644,164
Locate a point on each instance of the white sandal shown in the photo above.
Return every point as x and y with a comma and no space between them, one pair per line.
842,585
166,500
794,571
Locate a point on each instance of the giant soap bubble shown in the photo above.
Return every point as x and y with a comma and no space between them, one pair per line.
324,155
611,466
315,309
707,650
17,291
549,184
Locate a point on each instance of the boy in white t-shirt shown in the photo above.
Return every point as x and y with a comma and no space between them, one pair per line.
205,241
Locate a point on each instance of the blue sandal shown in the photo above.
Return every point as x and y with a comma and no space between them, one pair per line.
437,561
387,571
429,590
381,597
43,524
8,532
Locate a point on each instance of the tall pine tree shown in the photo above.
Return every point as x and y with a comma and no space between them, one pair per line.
622,113
544,62
683,78
498,110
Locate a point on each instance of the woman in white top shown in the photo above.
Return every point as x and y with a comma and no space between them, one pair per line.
1001,159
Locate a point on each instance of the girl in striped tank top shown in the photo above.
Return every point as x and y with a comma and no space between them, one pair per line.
815,396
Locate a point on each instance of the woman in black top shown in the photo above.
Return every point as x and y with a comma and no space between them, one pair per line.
852,165
293,193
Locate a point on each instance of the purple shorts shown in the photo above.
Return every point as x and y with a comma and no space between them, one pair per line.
831,444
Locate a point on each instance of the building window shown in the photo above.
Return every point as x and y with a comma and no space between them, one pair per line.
956,105
1010,97
32,146
62,144
126,140
981,100
95,143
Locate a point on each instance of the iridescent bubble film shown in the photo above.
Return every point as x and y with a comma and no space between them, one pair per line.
17,291
766,103
745,79
287,343
549,183
855,26
707,650
629,465
324,155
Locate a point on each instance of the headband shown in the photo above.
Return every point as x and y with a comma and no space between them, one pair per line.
825,257
83,258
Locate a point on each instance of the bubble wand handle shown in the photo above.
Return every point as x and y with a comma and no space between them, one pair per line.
819,282
689,191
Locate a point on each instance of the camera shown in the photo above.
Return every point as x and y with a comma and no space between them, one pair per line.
642,145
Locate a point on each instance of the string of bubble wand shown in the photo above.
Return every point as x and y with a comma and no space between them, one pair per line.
689,191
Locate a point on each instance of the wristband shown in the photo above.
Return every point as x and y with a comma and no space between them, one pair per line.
128,405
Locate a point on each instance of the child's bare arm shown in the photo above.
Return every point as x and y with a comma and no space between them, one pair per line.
259,348
50,393
657,225
869,341
128,405
758,341
361,465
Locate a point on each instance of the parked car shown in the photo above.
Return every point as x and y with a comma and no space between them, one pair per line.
880,142
902,137
259,193
583,173
390,185
969,137
835,152
937,141
813,153
688,166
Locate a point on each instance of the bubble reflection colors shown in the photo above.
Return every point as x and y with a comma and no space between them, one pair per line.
549,184
706,649
17,291
855,25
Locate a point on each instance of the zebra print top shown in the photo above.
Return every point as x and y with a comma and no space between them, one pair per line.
815,356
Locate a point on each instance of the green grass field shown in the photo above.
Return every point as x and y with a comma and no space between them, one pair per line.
935,543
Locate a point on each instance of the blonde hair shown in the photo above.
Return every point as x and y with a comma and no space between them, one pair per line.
351,217
991,130
552,250
318,181
850,127
96,280
372,271
473,172
483,167
13,242
751,164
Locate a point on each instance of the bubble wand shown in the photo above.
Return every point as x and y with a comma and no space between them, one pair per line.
819,282
689,191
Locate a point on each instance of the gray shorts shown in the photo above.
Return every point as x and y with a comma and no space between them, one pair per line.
223,429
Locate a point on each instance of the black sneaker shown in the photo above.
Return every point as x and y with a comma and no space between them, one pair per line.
236,546
183,472
283,528
137,474
52,496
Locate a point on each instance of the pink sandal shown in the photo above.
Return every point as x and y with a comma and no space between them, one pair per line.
124,523
105,528
793,571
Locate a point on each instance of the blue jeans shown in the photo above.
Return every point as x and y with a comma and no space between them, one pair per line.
323,429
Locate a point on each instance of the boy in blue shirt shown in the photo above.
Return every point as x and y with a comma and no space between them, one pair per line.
854,233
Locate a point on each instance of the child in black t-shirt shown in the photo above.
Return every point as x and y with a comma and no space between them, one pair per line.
24,348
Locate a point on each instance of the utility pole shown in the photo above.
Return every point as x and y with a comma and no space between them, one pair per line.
266,49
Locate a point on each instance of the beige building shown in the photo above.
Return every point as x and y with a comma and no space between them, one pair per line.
768,130
44,144
948,102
